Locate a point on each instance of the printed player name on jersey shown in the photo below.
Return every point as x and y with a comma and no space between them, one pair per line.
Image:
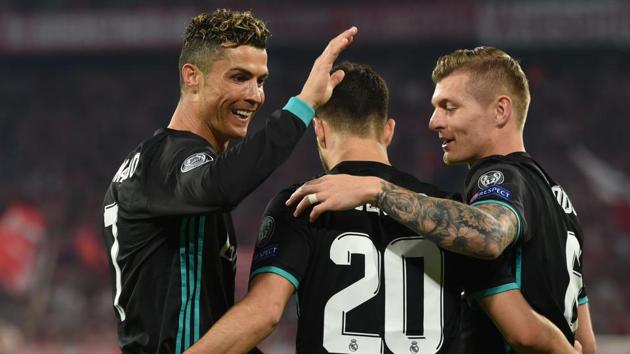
127,169
369,208
563,199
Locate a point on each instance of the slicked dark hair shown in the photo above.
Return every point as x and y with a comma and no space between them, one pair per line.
208,34
359,104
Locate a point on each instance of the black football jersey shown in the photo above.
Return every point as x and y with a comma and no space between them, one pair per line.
544,262
365,283
169,234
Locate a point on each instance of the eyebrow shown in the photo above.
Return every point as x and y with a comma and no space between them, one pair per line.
247,72
440,102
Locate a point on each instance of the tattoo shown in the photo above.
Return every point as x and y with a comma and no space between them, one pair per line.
481,232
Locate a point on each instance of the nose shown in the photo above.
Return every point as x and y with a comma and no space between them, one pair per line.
436,122
255,93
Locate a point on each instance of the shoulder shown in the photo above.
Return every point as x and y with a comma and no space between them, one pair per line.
277,205
178,151
493,171
412,183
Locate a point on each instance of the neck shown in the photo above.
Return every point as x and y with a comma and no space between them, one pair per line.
503,145
187,117
350,148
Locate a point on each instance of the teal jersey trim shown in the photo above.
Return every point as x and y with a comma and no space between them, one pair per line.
301,109
184,284
517,266
200,240
493,291
518,218
519,261
191,277
583,300
279,271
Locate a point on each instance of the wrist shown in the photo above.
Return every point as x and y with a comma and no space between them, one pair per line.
308,100
301,109
374,188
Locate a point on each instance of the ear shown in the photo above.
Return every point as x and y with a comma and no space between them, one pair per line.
320,132
388,131
503,110
191,75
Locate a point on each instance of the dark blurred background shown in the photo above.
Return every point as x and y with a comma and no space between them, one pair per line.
83,81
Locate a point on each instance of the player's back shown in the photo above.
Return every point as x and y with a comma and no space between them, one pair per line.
365,283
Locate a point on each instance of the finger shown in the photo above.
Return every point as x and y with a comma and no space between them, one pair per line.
298,194
338,44
316,212
337,77
301,207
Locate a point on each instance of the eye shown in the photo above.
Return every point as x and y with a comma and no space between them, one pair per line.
449,107
240,78
261,82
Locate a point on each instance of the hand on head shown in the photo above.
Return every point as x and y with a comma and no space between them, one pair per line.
320,83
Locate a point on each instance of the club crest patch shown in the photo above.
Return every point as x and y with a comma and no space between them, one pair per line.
266,231
489,179
196,160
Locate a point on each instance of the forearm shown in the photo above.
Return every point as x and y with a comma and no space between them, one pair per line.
260,153
548,339
585,330
238,331
523,328
451,225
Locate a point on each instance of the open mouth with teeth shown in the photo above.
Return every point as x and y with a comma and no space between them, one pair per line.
445,142
242,114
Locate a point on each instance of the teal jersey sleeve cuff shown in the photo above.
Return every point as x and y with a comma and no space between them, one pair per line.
279,271
492,291
583,300
300,109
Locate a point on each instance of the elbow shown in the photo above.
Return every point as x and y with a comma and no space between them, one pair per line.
273,315
494,251
491,251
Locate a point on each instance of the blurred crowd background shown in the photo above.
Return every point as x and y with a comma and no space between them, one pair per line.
83,81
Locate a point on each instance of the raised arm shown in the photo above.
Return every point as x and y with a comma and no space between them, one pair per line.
265,150
203,181
482,231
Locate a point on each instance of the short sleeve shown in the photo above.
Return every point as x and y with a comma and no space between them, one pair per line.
283,244
502,184
486,278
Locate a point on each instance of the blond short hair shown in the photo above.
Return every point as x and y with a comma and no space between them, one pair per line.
491,70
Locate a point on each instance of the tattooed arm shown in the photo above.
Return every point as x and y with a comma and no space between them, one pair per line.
482,232
479,231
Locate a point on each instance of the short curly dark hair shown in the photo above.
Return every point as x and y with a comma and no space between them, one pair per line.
359,104
207,34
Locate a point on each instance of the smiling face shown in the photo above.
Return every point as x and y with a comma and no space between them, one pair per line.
463,121
232,91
